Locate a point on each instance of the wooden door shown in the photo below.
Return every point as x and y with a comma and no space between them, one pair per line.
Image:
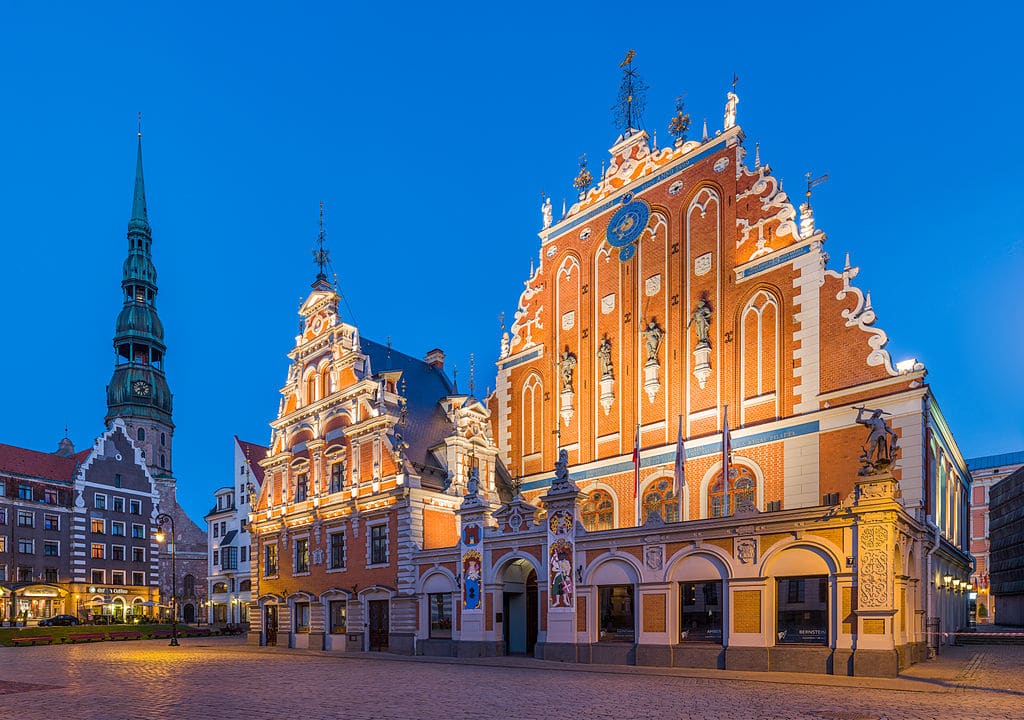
379,625
270,624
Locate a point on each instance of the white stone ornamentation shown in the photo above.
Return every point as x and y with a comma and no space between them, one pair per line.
702,264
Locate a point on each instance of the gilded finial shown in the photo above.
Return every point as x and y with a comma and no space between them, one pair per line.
584,178
140,124
680,122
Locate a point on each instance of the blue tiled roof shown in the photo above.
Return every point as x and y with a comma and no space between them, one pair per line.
993,461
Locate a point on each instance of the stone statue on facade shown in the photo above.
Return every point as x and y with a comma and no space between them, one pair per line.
604,358
566,366
880,449
652,340
545,210
732,100
473,483
701,320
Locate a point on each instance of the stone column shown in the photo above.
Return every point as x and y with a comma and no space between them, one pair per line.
875,527
562,501
473,641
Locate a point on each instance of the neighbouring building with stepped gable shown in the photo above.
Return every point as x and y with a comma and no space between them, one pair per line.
76,528
367,466
682,304
138,395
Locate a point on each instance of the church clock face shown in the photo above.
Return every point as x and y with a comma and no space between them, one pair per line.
140,388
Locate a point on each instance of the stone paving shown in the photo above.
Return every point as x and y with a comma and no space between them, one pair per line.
223,678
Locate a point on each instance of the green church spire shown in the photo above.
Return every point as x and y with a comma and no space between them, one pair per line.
138,391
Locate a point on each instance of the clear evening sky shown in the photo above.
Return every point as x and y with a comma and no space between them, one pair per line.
430,132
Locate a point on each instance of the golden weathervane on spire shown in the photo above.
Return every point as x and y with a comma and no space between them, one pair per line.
629,58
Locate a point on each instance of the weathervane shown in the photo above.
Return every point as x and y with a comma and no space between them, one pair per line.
811,184
680,122
629,106
321,256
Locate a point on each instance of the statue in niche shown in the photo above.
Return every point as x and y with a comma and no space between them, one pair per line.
545,210
701,320
880,450
652,340
473,483
732,100
566,366
604,358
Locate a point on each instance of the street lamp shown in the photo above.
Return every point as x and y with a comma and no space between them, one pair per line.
159,536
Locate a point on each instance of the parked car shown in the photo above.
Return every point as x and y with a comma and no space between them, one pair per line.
59,620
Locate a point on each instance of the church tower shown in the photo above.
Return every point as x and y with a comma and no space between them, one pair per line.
138,392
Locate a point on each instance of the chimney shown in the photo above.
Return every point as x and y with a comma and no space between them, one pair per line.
435,358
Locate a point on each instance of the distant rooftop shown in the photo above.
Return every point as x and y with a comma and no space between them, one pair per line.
995,461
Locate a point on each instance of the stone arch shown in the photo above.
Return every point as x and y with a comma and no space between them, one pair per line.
428,581
613,568
716,556
498,569
825,551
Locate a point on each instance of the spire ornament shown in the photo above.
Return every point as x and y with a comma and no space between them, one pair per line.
583,179
321,256
632,99
680,122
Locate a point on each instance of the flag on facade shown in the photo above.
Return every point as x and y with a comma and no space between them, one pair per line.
679,475
636,463
726,448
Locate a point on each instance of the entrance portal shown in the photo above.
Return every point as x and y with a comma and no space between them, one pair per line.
270,624
519,608
379,625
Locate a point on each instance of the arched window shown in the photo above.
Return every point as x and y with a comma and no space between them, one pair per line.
220,587
245,586
598,511
311,388
189,586
142,434
325,382
659,498
739,494
760,344
532,416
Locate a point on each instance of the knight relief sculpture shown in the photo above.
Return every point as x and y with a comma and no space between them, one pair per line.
879,453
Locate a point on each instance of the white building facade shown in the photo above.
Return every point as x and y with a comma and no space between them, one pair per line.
229,590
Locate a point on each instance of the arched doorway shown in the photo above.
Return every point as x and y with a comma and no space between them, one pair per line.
519,608
190,613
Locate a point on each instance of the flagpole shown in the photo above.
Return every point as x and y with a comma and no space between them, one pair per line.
680,470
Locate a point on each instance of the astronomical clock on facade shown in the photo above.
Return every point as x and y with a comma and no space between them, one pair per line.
716,461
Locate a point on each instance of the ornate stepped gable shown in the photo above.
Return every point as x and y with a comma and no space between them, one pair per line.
682,282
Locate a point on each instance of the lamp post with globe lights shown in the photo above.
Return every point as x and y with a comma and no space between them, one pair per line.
160,536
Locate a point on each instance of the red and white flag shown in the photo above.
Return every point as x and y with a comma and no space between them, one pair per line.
726,447
636,463
679,474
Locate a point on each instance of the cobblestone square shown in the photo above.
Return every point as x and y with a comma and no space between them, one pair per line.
224,678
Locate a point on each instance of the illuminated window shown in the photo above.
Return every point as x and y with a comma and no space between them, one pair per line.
99,526
597,511
99,551
739,494
659,499
302,555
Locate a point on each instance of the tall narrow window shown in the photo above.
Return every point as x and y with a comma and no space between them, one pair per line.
301,487
532,423
269,560
337,551
337,476
378,544
302,555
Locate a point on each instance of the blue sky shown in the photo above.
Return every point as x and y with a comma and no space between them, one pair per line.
429,131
